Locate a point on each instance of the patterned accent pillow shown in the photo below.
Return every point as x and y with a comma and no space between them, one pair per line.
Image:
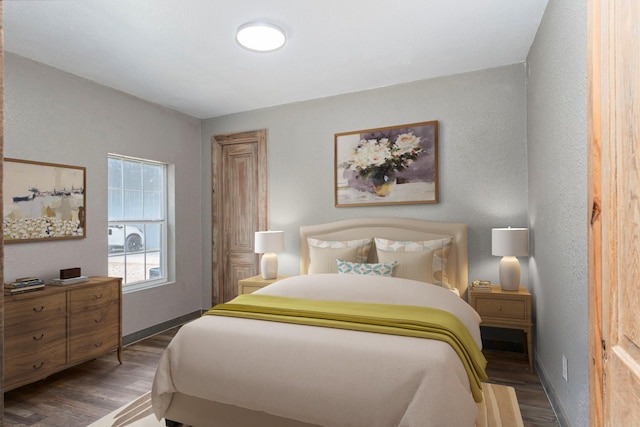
377,269
324,253
425,261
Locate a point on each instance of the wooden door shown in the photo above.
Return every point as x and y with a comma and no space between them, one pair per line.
239,208
614,199
1,237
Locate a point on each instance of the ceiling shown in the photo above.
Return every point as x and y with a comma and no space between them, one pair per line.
182,54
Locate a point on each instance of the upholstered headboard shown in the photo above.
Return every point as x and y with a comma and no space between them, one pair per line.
405,229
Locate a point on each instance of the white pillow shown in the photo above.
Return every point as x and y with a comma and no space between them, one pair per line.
376,269
323,254
425,261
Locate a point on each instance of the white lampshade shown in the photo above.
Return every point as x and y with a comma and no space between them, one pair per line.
267,243
509,243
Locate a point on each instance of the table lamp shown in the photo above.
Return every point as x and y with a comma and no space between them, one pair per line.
267,243
509,243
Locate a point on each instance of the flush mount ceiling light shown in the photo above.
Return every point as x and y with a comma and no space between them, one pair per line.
260,36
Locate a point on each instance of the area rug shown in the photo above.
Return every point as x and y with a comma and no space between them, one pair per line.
499,408
135,414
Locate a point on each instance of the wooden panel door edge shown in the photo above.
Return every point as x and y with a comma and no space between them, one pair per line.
594,136
613,226
1,237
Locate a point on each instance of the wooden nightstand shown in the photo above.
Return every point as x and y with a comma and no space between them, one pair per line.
506,309
252,284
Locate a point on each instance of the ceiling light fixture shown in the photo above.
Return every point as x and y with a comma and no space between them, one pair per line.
260,36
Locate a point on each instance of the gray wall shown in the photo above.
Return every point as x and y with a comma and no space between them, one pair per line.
557,147
56,117
482,156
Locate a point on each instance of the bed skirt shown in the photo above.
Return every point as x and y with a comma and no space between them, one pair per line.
499,408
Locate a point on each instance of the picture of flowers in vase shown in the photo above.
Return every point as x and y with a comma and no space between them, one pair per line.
380,159
396,165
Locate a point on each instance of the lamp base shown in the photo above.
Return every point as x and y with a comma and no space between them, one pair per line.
509,273
269,266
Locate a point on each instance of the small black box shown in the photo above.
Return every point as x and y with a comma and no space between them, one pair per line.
70,273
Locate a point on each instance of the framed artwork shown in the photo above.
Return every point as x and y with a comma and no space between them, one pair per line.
43,201
395,165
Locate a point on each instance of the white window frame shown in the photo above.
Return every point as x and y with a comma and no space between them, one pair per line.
164,226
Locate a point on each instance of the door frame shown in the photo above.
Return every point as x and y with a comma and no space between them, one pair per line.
1,237
258,137
596,130
595,103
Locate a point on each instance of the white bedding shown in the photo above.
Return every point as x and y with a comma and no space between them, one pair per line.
325,376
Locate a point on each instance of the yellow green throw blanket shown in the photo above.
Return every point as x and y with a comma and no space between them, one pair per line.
405,320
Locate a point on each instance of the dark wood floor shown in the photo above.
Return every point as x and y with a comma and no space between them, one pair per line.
80,395
512,369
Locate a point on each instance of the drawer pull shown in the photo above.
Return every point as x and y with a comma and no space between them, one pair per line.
98,344
38,310
99,320
98,296
38,339
38,367
499,308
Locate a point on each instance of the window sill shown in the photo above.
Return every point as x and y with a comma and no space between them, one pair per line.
145,285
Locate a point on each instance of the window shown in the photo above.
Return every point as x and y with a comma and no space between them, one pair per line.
137,229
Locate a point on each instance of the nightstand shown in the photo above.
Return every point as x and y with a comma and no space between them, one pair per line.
252,284
506,309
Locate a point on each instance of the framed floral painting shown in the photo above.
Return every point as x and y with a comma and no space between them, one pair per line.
387,166
42,201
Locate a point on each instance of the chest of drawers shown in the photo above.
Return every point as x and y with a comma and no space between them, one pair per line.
50,330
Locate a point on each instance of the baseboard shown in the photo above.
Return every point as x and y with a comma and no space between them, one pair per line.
551,395
161,327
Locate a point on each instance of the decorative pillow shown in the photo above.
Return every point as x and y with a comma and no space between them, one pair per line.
425,261
377,269
323,254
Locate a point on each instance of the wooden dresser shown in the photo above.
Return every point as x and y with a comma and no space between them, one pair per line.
50,330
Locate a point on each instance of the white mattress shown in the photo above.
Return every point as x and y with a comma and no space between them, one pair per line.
325,376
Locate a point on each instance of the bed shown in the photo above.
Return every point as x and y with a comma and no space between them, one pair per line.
224,370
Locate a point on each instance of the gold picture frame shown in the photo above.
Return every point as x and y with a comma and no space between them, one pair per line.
395,165
43,201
